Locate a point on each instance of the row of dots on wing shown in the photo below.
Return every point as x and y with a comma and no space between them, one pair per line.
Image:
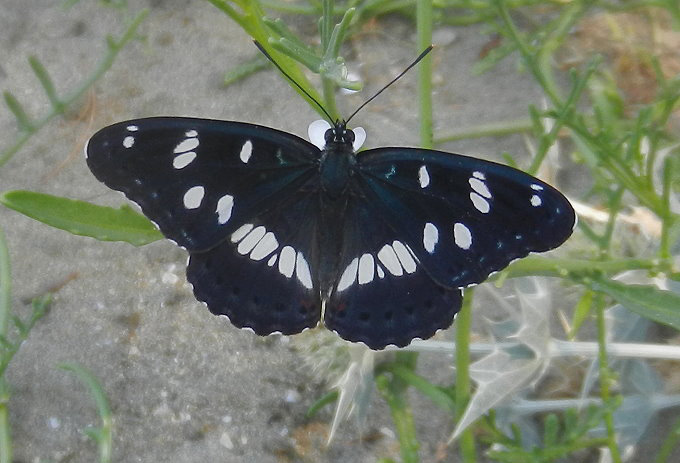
462,236
397,258
193,198
258,244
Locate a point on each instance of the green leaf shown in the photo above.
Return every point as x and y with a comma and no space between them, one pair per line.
646,301
82,218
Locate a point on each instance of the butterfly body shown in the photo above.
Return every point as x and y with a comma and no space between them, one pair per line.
277,227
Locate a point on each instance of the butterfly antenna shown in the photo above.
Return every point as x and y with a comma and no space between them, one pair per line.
269,57
417,60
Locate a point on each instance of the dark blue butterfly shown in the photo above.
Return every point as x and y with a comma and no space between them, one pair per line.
280,231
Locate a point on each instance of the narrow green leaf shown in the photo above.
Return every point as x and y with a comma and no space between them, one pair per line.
581,313
82,218
647,301
258,63
102,435
23,121
45,80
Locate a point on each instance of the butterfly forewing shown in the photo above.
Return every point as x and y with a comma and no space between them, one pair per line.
463,218
263,276
382,295
199,180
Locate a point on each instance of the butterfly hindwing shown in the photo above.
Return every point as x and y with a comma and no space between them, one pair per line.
463,218
263,276
198,179
382,295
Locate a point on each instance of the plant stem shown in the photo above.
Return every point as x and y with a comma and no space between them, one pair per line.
114,47
424,26
463,388
605,377
5,307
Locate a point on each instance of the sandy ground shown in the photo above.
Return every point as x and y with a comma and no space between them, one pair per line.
184,385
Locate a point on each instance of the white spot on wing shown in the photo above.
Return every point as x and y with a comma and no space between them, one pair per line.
479,175
132,128
272,260
390,260
302,271
128,141
536,201
287,261
462,236
186,145
349,276
246,151
480,187
423,177
194,197
405,256
381,272
264,247
241,232
224,207
536,187
250,241
183,160
480,203
366,269
430,237
191,133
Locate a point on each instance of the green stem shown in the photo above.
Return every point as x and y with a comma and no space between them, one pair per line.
393,389
5,307
494,129
605,377
463,385
424,26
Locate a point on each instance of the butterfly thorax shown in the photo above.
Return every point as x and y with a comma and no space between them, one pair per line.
337,159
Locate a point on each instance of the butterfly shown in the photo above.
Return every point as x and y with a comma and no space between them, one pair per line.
282,233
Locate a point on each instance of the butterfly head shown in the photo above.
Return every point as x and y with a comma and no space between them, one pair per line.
339,134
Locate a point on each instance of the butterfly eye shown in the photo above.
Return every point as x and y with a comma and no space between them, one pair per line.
329,135
349,136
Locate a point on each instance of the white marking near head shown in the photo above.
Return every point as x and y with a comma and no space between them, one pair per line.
481,204
404,256
246,151
191,133
302,271
194,197
423,177
480,187
430,237
186,145
264,247
317,131
224,207
349,276
241,232
536,187
462,236
132,128
287,261
536,201
479,175
366,269
183,160
250,241
359,138
128,141
390,260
